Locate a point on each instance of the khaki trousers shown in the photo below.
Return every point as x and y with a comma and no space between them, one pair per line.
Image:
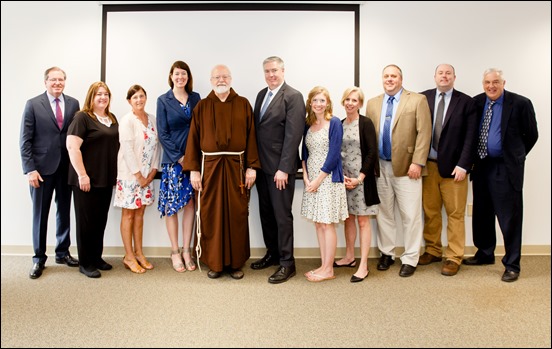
405,194
438,191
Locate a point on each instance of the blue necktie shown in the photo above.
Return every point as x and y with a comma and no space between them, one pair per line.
386,137
265,105
484,135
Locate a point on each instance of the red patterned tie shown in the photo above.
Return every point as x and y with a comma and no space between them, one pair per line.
59,115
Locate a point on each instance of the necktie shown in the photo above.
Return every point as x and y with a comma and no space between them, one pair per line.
484,135
438,121
59,115
266,103
386,137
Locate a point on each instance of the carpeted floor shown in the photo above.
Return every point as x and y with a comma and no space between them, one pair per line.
162,308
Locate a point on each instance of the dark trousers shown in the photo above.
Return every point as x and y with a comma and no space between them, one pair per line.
91,210
275,209
42,200
494,195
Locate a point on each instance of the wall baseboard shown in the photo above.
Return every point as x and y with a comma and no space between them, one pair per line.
300,252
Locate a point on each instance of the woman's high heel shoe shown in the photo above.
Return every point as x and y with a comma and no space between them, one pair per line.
190,266
177,264
144,262
133,266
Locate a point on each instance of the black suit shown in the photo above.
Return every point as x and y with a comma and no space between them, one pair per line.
498,182
43,149
279,134
458,139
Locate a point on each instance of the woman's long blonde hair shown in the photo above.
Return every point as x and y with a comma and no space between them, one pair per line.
311,117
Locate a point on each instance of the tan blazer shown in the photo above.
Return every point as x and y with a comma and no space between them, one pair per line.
411,130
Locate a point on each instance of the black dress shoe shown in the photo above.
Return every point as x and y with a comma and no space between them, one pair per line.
70,261
510,276
282,275
478,261
36,270
214,274
91,272
103,265
385,262
267,261
407,270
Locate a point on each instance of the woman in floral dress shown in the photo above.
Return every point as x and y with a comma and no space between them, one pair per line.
324,197
137,164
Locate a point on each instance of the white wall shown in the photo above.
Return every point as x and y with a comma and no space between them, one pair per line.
473,36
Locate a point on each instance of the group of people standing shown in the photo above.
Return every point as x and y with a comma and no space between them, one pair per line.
410,154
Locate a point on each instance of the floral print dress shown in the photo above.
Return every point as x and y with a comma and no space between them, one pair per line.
329,203
128,193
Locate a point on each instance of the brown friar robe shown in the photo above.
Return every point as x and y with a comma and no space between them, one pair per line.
224,205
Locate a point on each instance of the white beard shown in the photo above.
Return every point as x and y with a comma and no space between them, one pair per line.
222,89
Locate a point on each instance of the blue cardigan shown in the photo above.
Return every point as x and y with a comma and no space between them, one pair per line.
173,125
333,162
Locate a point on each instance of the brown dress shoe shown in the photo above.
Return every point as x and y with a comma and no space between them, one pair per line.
236,274
214,274
427,258
450,268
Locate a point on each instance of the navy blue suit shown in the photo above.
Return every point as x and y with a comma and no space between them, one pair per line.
458,141
498,181
43,149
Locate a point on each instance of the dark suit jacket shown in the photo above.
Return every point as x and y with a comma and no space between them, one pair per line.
370,159
280,131
42,143
518,131
458,142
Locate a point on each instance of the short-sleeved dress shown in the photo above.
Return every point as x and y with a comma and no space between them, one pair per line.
352,162
329,203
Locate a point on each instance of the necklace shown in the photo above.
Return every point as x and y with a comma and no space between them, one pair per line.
106,120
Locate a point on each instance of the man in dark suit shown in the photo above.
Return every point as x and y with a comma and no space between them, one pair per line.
279,123
46,163
450,159
507,134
